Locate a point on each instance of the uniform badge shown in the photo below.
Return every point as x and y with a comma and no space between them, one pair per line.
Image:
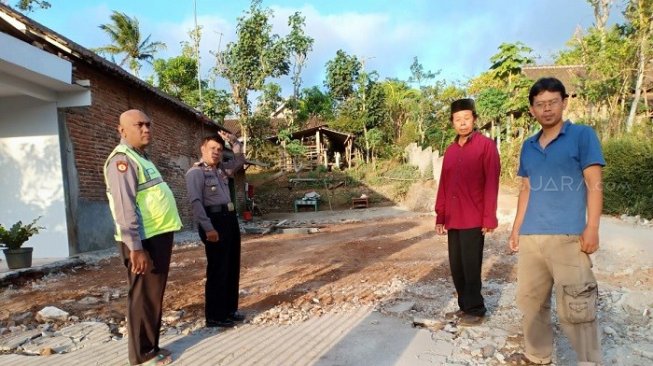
122,166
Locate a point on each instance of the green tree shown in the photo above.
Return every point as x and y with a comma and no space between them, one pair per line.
259,123
400,101
506,69
178,76
370,101
342,73
126,39
420,76
315,103
607,58
508,62
640,15
256,55
438,128
30,5
299,45
491,106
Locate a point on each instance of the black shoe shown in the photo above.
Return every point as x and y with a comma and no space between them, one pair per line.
236,316
224,323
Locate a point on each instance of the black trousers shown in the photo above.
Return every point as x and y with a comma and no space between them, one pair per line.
222,267
145,298
465,260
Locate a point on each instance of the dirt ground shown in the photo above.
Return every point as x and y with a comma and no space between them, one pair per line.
338,264
341,266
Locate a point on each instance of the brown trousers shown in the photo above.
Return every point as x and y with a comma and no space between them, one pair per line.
145,298
546,261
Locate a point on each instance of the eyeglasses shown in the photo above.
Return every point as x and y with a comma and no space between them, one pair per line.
549,103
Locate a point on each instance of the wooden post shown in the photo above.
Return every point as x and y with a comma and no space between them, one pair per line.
348,153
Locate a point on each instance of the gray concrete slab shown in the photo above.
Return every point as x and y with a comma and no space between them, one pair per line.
363,337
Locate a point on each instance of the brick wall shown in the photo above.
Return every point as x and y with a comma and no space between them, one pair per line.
93,133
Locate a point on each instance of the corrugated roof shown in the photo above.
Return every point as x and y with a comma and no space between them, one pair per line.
568,74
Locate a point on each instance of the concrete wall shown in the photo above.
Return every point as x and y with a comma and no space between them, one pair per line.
426,160
31,180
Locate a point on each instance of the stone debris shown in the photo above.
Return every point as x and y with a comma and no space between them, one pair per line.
427,323
89,300
51,313
16,338
487,351
401,307
20,318
173,316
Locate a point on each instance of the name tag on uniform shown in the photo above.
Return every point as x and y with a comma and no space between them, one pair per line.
230,206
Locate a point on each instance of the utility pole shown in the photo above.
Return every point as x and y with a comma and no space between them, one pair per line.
197,55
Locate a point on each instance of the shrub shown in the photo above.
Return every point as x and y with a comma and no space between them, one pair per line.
628,177
18,233
510,161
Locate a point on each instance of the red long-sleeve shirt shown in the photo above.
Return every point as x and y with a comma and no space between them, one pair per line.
469,185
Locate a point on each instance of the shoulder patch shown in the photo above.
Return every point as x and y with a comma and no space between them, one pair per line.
122,166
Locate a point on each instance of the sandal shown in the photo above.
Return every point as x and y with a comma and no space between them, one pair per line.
164,351
158,360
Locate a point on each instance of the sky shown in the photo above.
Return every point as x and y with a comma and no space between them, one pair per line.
455,37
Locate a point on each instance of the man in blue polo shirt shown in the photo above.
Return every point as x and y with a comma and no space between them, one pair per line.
556,228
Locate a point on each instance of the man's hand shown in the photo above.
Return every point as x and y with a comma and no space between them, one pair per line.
140,261
229,137
513,242
589,240
212,236
439,229
487,230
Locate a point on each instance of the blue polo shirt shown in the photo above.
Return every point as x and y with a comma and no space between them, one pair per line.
557,203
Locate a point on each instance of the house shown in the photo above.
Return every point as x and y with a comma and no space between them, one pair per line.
59,108
324,147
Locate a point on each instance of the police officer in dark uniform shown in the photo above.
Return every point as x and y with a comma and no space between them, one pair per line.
208,191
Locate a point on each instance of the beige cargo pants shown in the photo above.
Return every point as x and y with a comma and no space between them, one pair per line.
556,260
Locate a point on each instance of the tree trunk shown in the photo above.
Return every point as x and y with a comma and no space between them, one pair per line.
240,97
367,145
641,70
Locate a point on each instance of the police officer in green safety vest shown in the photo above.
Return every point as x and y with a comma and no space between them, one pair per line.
146,217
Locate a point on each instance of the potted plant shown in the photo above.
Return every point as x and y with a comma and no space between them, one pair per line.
13,240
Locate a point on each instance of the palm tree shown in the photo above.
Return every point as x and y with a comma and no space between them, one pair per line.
126,37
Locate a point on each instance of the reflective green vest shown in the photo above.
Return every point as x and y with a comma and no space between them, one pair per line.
155,202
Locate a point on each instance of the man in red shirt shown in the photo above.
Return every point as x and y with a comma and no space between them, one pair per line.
466,207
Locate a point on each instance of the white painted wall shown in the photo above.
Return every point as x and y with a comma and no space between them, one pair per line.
31,183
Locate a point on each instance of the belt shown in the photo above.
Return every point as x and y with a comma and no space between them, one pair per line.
226,208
